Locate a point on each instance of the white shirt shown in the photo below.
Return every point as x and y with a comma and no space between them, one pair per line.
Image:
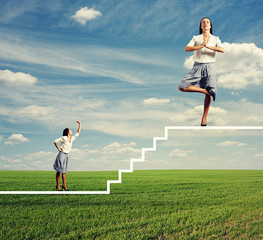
65,144
205,55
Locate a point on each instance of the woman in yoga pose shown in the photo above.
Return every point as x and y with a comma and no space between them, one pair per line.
201,77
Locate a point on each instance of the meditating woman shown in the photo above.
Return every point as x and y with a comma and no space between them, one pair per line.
61,162
202,77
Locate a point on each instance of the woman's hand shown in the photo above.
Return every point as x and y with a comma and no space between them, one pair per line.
216,49
79,126
193,48
205,40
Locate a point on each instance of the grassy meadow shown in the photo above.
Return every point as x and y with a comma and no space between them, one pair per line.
152,204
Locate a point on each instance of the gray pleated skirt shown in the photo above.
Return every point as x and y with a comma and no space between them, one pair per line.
61,162
201,75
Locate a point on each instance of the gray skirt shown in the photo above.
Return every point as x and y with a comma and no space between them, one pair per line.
201,75
61,162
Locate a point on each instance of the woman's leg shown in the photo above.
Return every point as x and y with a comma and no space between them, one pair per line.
64,180
192,88
57,180
207,103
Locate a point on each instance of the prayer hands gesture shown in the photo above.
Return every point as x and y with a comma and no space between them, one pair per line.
205,40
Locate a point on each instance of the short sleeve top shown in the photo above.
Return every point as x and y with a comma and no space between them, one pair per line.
205,55
65,144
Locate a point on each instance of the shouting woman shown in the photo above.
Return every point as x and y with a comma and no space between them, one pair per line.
61,162
201,77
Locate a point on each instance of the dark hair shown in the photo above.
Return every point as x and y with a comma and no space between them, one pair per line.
65,132
200,29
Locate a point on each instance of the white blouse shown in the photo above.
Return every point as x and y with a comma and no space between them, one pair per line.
205,55
65,144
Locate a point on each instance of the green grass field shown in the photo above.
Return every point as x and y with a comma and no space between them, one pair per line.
153,204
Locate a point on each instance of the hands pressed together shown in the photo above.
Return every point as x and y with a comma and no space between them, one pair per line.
205,40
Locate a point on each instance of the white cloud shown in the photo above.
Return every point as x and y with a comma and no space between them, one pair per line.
240,66
15,166
244,112
110,157
84,14
260,155
10,160
160,164
35,161
93,151
255,119
115,148
231,143
1,138
150,101
37,113
234,160
132,127
240,79
41,156
118,148
77,154
16,139
178,153
189,62
236,93
11,79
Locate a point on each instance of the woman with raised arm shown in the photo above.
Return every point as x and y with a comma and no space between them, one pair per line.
61,162
201,77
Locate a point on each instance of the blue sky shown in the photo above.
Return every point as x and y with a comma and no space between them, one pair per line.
115,66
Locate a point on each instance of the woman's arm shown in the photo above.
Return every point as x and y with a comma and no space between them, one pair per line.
193,48
56,145
79,129
217,49
205,41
